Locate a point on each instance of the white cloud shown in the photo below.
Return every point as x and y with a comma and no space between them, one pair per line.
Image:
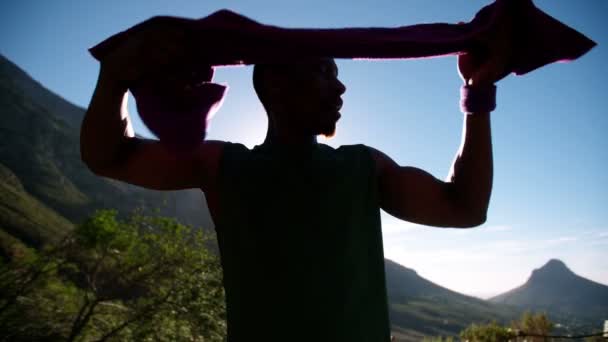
484,230
498,228
599,242
564,239
558,241
392,226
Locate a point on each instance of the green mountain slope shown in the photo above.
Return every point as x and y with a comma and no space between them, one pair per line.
12,77
419,307
41,152
25,218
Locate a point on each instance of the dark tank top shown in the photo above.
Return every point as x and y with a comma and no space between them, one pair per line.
301,245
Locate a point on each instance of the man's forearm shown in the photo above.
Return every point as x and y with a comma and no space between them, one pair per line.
472,170
106,124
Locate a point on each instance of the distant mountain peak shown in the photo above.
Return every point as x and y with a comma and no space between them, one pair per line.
556,264
556,289
553,269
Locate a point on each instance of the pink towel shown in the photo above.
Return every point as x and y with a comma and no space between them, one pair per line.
179,117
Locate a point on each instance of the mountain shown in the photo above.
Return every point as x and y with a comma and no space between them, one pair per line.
554,288
419,307
45,187
12,77
24,219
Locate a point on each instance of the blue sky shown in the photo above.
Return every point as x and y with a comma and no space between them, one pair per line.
551,187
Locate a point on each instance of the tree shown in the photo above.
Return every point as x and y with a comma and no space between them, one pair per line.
533,326
34,303
529,327
491,332
141,278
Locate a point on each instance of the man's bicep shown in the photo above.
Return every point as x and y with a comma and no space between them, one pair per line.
415,195
152,165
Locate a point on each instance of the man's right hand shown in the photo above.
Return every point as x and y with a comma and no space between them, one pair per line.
152,50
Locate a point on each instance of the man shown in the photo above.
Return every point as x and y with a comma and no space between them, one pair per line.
298,222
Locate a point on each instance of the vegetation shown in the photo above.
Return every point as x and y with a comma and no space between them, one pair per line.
529,327
533,325
491,332
142,278
24,218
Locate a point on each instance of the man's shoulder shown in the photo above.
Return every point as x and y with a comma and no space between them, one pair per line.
231,150
352,155
360,150
343,148
229,147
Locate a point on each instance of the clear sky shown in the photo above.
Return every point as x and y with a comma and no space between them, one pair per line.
551,187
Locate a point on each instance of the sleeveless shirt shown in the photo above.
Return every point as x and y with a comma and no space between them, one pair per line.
301,245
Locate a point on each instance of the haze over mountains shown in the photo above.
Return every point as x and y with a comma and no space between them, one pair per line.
45,190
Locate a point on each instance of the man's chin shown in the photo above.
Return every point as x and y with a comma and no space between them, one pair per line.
329,132
327,128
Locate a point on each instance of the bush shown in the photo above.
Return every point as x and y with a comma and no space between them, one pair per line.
491,332
530,327
143,278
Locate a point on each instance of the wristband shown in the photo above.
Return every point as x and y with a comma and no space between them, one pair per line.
477,99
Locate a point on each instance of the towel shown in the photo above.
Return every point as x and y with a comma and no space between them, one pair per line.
179,117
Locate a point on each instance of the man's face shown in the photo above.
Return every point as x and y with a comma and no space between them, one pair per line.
307,97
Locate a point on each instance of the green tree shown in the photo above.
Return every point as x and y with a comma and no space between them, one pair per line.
529,327
141,278
491,332
34,302
533,326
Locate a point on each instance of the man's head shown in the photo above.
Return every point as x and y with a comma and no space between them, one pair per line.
302,97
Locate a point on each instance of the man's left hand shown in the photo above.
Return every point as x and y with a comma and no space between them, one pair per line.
477,69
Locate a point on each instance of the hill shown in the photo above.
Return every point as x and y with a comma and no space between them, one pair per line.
419,307
554,288
45,186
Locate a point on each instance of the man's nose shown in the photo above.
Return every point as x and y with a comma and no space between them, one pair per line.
340,87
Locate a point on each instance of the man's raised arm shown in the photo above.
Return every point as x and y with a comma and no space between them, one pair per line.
463,199
107,142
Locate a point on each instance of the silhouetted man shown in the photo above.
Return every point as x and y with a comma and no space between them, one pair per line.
298,222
